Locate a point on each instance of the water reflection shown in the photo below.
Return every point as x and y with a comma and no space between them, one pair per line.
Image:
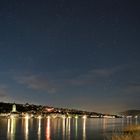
76,127
84,128
68,126
48,134
26,128
63,131
13,126
11,129
104,124
8,126
39,128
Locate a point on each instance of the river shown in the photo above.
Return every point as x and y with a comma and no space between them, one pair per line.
61,129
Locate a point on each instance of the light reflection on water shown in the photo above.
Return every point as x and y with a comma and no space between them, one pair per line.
84,129
64,128
11,128
60,129
76,128
26,128
68,126
39,129
48,131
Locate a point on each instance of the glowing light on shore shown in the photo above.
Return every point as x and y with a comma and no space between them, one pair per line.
69,117
12,117
48,117
27,116
39,117
84,117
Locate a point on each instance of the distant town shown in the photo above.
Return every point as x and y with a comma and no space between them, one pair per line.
13,110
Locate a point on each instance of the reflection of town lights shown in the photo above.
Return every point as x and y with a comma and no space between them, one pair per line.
69,117
76,127
8,127
84,129
48,129
76,117
39,127
69,126
13,126
64,128
84,117
63,117
26,126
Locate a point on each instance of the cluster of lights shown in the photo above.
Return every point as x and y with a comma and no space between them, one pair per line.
27,116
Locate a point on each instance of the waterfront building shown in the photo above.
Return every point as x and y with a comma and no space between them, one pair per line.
14,112
14,108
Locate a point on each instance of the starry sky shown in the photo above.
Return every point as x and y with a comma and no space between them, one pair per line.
82,54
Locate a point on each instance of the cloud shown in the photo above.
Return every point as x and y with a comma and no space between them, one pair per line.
94,76
103,72
61,81
37,82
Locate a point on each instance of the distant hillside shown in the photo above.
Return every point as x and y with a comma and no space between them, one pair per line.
7,107
131,112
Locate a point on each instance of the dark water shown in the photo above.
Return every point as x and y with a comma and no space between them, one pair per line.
61,129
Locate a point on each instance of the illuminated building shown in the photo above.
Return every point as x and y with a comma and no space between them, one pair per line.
14,108
14,112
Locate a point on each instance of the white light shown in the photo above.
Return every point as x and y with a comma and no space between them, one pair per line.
84,117
11,116
40,117
69,117
48,117
27,116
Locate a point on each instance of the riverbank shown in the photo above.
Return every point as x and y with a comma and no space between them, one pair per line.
129,133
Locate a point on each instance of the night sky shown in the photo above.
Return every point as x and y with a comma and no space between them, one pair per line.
82,54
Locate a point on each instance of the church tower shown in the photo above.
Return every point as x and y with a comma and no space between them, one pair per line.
14,108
